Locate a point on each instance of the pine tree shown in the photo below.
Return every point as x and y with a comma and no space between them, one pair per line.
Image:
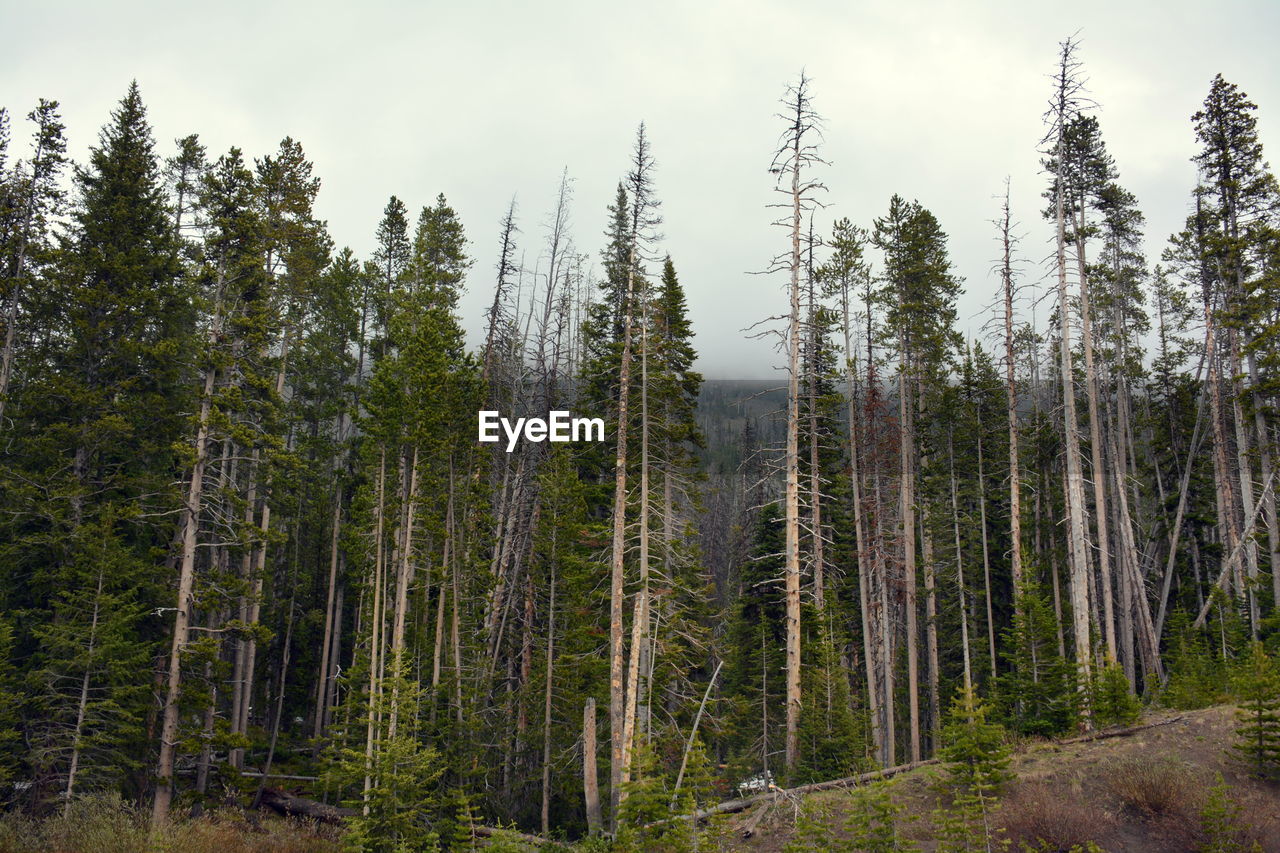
1112,702
1222,823
977,760
918,295
1037,691
31,199
1236,195
1257,686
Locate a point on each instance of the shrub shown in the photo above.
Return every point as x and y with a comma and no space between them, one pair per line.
1036,817
1161,788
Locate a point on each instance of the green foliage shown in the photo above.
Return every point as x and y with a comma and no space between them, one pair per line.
1112,702
920,288
1197,677
977,757
1257,686
832,743
397,789
1222,824
812,830
1037,691
9,704
646,821
870,824
872,820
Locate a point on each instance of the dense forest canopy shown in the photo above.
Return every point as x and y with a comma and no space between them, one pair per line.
248,532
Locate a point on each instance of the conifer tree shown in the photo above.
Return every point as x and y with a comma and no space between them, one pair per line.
977,760
32,197
1257,684
918,296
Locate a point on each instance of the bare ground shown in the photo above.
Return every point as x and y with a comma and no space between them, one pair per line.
1141,792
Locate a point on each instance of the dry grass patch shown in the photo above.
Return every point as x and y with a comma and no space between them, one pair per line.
1158,788
106,824
1038,816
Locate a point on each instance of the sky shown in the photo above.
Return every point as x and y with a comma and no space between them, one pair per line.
486,101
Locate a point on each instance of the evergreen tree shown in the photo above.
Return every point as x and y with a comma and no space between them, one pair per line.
31,196
977,760
1257,684
1037,692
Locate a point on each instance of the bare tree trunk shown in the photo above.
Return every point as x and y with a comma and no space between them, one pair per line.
437,651
792,470
1074,479
906,451
863,558
375,629
279,711
815,472
403,579
590,780
239,691
1244,468
83,705
640,617
186,583
1225,497
546,699
1095,443
964,614
1269,499
1149,643
986,559
1176,530
931,592
331,675
330,614
1011,395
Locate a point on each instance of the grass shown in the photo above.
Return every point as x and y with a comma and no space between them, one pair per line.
1036,815
106,824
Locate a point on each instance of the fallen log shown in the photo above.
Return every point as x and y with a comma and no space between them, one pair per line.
744,803
749,828
732,806
508,835
1109,733
289,805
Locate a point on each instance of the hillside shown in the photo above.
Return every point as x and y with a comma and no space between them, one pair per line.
1070,793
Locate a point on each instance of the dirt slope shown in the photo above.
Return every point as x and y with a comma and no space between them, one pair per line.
1140,792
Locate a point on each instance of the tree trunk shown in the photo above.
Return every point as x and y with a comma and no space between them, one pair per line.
1095,443
862,557
186,583
791,465
322,683
546,699
1077,543
1011,395
906,451
590,781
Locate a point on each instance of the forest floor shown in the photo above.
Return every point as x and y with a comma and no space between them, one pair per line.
1141,792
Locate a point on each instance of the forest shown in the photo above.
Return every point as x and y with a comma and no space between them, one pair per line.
254,554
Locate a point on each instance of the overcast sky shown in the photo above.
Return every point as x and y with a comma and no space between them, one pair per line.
483,100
